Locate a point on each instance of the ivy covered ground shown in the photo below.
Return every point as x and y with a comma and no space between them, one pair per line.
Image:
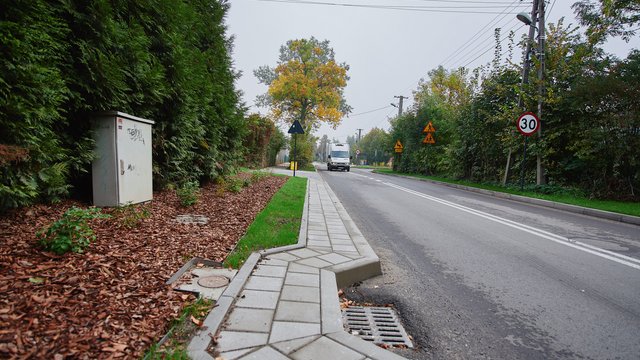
111,300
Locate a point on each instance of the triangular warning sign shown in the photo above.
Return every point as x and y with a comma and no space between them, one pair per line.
398,147
429,139
296,128
429,128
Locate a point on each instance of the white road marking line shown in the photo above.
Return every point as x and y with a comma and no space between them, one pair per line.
609,255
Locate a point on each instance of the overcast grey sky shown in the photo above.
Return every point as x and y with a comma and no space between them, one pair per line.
388,51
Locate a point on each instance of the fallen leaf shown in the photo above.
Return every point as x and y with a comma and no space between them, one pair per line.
196,321
36,280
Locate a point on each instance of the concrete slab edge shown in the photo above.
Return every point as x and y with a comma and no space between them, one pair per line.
602,214
356,270
302,234
189,264
199,344
358,239
331,316
364,347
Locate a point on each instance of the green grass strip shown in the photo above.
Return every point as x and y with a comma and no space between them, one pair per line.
621,207
278,224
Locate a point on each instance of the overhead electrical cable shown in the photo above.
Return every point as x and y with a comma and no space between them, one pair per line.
482,45
478,34
491,47
550,10
389,7
369,111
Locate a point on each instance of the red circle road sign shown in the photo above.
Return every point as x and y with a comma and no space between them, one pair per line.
528,123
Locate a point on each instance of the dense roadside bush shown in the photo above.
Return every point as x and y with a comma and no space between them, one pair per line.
62,62
590,125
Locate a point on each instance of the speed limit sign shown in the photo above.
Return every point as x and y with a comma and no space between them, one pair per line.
528,123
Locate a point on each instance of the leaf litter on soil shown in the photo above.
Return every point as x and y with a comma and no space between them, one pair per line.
112,300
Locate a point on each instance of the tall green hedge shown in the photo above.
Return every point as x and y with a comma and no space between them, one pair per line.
63,61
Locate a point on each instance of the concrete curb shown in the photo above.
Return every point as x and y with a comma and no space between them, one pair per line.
198,346
360,269
364,265
602,214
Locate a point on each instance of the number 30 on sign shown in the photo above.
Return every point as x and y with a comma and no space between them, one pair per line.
528,124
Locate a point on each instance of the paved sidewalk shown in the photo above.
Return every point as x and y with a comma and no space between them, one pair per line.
283,304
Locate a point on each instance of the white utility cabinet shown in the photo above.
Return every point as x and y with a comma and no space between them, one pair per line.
122,170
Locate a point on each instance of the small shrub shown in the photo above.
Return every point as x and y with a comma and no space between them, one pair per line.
235,184
256,176
71,232
189,193
221,186
131,215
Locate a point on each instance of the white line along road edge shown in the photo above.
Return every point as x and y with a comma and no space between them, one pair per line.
606,254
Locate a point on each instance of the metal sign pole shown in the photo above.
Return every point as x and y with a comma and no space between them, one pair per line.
524,160
294,155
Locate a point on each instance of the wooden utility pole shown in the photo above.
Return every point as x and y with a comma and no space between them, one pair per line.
540,176
400,105
526,66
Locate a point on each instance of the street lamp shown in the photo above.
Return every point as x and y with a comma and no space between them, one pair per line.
525,18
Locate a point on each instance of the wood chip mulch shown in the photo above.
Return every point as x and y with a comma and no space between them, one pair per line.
111,301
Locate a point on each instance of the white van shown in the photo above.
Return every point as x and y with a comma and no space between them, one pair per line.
338,157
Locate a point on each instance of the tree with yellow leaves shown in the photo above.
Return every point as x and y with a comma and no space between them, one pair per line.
306,85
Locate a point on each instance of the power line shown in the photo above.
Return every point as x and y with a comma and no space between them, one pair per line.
552,5
389,7
482,45
477,35
369,111
491,47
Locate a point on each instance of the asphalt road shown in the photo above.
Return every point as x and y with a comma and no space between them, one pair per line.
479,277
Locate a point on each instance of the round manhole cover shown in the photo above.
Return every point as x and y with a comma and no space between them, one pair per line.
213,282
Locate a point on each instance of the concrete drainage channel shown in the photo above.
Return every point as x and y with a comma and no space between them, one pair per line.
379,325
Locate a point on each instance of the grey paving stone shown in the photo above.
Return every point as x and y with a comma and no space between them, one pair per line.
233,355
272,271
325,348
340,237
264,283
304,253
316,226
274,262
330,303
350,254
256,320
298,312
337,232
302,279
300,293
258,299
362,346
281,331
325,242
317,233
350,248
265,353
289,346
284,256
315,262
298,268
322,251
318,237
326,249
341,242
234,340
334,258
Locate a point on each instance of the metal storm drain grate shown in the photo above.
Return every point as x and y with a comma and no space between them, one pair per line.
379,325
